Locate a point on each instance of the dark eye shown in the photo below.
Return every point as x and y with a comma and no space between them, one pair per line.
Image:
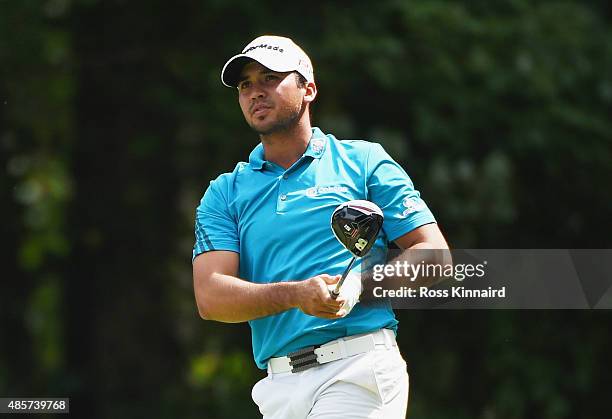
244,85
271,77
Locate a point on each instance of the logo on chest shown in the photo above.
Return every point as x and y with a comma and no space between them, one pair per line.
323,190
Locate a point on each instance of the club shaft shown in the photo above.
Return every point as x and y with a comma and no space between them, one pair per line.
336,290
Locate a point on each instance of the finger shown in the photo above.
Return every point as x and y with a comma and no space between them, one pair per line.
328,309
334,299
329,301
330,306
333,295
322,314
341,300
331,316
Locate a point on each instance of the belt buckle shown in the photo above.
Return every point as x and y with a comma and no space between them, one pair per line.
303,359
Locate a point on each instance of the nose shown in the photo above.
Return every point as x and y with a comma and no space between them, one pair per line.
257,92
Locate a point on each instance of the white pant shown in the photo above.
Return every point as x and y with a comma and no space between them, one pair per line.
369,385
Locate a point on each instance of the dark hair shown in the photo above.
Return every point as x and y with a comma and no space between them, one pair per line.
300,80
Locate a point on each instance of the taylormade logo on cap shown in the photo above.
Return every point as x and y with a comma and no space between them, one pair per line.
272,47
274,52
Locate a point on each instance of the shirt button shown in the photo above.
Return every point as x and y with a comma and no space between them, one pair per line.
285,176
283,197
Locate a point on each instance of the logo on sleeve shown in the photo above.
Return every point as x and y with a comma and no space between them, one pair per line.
412,204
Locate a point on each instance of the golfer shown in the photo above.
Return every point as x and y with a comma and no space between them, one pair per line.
265,252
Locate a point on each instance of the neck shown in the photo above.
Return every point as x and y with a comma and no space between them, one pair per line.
287,146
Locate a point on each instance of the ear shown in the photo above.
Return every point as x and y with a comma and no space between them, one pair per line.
311,92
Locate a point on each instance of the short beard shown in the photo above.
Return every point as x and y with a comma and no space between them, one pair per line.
284,125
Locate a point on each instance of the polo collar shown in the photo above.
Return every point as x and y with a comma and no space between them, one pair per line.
317,144
316,148
256,158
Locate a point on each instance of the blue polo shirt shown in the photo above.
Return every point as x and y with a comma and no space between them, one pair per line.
279,222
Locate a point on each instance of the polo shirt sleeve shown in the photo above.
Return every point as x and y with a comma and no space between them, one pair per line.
390,187
215,227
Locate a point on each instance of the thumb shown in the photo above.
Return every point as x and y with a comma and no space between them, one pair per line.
330,280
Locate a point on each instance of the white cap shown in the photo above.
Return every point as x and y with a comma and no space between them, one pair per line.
274,52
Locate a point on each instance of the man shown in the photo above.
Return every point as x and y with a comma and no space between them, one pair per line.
265,253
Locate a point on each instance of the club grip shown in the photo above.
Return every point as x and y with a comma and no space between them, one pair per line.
336,291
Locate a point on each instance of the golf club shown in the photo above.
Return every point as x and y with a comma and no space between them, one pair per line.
356,225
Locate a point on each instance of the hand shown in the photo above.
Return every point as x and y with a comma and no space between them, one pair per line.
313,297
350,291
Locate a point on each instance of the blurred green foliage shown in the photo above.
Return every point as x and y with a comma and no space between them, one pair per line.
113,120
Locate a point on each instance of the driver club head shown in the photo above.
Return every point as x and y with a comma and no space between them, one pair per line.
356,225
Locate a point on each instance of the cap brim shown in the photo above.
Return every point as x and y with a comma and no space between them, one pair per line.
232,68
230,74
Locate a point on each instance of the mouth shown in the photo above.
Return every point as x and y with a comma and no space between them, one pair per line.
259,110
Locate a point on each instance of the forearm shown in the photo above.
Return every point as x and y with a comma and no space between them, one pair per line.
229,299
